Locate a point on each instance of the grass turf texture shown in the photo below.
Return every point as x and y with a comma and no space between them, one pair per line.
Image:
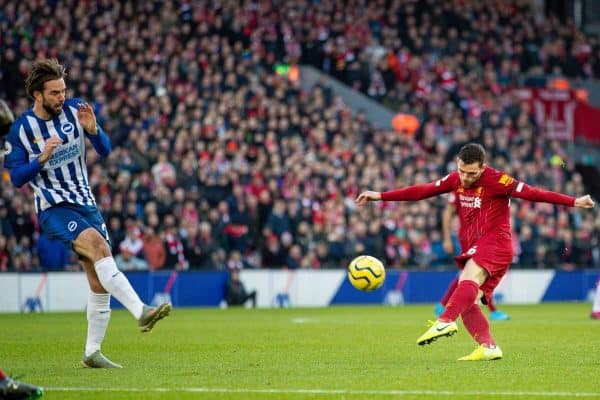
551,351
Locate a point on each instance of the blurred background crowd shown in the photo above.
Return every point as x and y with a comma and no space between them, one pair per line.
220,162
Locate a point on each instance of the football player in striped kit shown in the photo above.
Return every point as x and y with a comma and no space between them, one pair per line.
45,147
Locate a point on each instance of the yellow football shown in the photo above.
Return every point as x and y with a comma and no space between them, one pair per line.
366,273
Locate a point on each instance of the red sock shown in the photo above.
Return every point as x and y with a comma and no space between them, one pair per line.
477,325
463,297
449,291
491,306
2,376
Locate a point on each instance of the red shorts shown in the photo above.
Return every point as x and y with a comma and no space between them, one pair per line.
494,260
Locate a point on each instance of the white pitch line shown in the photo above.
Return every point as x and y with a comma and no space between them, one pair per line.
329,391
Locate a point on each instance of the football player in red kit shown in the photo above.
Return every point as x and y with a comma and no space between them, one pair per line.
483,201
447,216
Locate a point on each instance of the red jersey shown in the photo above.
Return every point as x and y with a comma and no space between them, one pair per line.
483,208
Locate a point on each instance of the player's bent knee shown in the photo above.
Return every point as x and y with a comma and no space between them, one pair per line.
91,245
473,272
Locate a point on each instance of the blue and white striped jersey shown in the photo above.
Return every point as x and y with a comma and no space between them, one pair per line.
63,178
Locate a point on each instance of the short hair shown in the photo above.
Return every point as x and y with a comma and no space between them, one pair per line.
41,72
6,118
472,152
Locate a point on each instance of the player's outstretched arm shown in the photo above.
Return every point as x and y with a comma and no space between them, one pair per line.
524,191
99,139
410,193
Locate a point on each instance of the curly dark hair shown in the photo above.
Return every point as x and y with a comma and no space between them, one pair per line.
41,72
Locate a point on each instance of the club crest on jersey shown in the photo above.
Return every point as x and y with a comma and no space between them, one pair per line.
506,180
67,128
71,226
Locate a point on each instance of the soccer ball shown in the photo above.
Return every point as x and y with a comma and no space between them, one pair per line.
366,273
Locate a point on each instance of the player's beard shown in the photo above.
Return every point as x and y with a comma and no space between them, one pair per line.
53,111
467,184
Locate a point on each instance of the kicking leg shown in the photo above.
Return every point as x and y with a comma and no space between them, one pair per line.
467,291
91,245
465,294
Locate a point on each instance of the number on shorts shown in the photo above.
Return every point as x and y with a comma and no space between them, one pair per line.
105,233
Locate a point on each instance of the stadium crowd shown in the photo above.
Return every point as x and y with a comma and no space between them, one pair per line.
219,162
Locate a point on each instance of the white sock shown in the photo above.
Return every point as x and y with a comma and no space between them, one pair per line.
596,306
117,284
98,315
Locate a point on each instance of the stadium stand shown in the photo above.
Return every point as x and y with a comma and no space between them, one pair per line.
217,155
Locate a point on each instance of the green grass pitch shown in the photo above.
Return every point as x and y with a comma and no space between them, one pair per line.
550,351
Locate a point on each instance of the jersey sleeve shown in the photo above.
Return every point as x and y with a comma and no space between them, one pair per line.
501,184
101,141
16,159
505,185
522,190
424,191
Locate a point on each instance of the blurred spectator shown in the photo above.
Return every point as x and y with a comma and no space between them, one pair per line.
235,291
4,254
154,249
529,246
174,247
294,258
127,261
218,155
272,254
200,247
278,221
116,234
132,243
